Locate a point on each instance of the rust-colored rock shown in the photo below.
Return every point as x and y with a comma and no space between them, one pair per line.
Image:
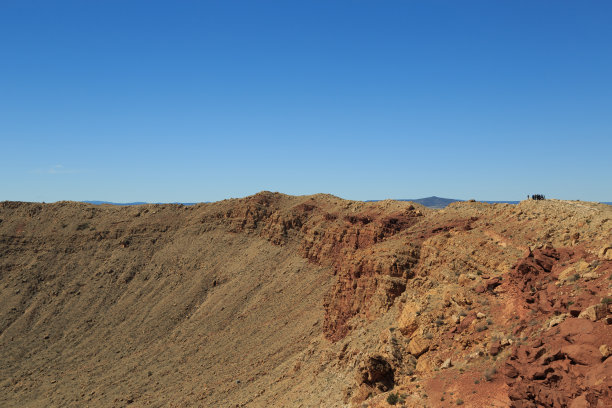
495,347
418,346
408,320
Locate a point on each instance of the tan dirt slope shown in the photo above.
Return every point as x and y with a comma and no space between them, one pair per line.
312,301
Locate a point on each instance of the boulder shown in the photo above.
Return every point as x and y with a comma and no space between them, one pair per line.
408,320
594,312
568,273
495,347
510,371
599,374
580,268
606,252
493,283
575,328
557,320
446,364
418,346
583,354
579,402
464,279
589,276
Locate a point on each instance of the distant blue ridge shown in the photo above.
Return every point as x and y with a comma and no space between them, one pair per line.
440,202
134,203
431,202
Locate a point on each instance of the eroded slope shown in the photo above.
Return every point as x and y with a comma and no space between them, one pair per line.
275,300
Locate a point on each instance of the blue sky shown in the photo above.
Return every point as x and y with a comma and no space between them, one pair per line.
200,101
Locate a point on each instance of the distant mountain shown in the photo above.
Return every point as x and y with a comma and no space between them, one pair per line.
134,203
440,202
499,202
433,201
108,202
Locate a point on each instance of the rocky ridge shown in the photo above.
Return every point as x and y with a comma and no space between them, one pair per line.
315,300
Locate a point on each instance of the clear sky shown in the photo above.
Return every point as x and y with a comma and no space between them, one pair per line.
190,101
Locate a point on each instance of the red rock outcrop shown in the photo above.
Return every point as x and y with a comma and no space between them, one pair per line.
370,273
560,365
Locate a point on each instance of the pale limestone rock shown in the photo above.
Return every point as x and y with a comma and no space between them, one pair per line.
589,276
557,320
593,312
446,364
463,279
418,346
567,274
408,320
475,354
425,364
606,252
